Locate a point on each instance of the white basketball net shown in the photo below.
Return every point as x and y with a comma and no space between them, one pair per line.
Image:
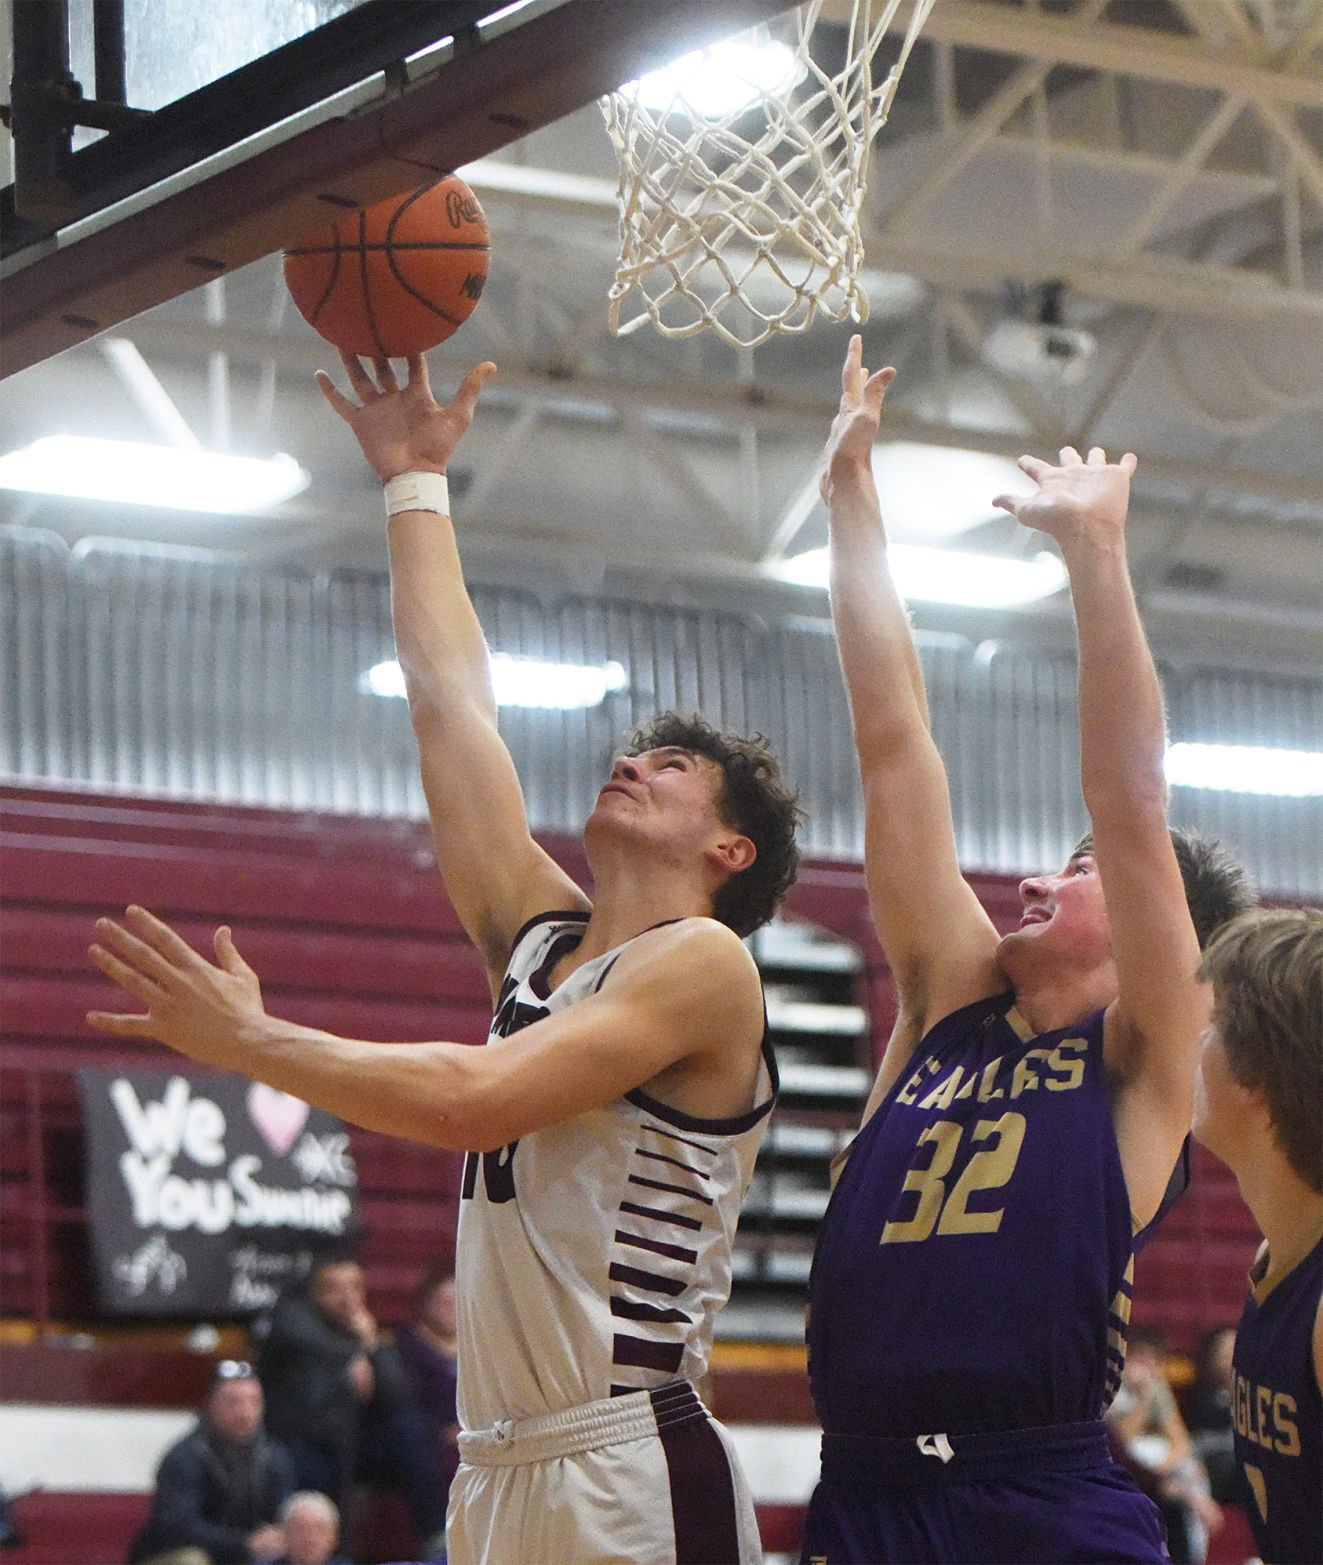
765,231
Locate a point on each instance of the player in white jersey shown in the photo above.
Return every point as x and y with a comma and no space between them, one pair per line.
619,1222
612,1121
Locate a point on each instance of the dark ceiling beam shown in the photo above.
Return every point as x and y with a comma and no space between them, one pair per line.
65,289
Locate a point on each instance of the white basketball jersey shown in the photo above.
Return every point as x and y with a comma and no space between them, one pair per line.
593,1255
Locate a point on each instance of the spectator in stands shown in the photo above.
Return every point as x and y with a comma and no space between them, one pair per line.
10,1536
1209,1409
311,1523
1155,1446
337,1396
219,1490
427,1351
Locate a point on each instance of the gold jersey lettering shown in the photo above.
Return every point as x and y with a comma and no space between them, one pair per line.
1262,1416
909,1091
986,1091
998,1143
940,1097
1283,1416
990,1168
1066,1057
926,1183
1025,1078
1240,1408
1258,1488
1266,1417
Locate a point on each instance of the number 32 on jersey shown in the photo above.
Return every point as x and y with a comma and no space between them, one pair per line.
943,1207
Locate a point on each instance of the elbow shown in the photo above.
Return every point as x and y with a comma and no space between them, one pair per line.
895,749
468,1113
439,703
425,709
1138,792
420,687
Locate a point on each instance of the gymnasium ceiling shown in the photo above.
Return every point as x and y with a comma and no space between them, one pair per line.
1155,167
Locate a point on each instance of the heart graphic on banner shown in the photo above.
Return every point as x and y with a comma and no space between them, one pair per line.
278,1115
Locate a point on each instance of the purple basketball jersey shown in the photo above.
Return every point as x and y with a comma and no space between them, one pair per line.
1277,1415
973,1272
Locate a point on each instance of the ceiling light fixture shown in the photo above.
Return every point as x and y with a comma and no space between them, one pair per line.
521,681
958,577
721,80
127,472
940,491
1246,768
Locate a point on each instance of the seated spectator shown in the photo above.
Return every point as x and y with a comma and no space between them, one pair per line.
311,1524
427,1351
1154,1444
1209,1406
336,1395
10,1536
220,1488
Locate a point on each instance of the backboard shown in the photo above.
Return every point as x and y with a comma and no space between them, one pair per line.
382,96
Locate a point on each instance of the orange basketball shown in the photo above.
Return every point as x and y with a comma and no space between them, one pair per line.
395,278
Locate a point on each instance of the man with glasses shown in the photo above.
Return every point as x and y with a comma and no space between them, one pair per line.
219,1490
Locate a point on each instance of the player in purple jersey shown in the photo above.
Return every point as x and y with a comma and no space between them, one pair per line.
690,845
1259,1107
971,1286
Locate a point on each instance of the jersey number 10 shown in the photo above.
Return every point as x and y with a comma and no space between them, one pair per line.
497,1174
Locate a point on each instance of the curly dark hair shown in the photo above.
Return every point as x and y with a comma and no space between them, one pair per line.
754,799
1216,885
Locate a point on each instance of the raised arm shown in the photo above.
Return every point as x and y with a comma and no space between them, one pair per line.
1151,1037
940,943
494,873
683,1006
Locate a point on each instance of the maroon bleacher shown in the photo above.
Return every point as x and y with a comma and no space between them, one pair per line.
1191,1276
345,920
75,1529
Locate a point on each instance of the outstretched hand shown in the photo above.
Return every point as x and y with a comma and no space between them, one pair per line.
194,1006
1078,501
854,430
403,429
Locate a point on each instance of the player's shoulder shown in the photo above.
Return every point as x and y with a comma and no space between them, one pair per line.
697,976
700,952
699,937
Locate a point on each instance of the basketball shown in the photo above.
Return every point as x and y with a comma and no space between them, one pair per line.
396,278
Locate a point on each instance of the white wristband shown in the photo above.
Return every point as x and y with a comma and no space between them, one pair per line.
417,492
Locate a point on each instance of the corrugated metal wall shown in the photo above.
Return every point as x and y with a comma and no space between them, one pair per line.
167,672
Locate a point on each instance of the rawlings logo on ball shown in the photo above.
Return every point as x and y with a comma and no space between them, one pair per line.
462,208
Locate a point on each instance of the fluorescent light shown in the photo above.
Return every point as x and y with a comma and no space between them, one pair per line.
531,682
132,473
1246,768
520,681
939,491
721,80
383,679
975,581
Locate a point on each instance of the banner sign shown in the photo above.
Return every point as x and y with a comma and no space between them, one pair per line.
207,1195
